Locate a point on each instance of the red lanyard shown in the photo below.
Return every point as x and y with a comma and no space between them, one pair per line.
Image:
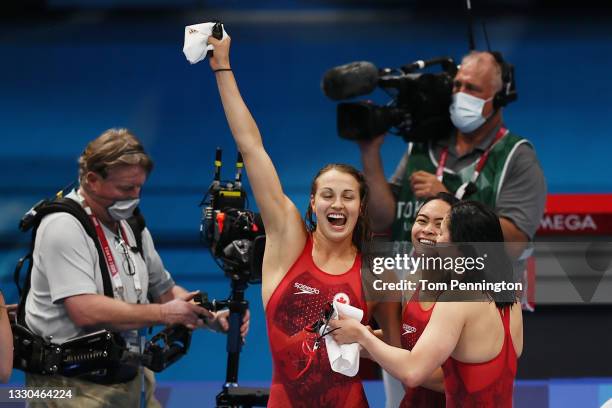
441,163
110,260
108,255
481,162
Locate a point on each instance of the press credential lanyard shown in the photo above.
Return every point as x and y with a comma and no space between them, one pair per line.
110,260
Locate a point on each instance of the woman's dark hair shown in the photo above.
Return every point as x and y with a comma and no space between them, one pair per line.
444,196
362,233
471,221
477,230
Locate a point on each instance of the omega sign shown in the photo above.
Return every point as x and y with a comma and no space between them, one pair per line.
568,222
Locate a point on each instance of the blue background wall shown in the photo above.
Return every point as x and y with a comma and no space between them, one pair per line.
67,77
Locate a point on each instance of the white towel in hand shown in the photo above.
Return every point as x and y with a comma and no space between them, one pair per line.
196,41
344,359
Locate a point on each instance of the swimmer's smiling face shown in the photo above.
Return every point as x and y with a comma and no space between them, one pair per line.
336,204
428,224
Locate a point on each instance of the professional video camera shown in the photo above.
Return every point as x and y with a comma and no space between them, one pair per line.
420,101
236,238
235,235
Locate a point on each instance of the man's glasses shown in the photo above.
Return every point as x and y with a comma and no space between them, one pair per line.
128,262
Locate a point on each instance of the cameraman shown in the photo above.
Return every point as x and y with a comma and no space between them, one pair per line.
67,298
511,180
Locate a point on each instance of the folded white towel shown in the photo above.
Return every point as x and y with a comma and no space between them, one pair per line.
344,359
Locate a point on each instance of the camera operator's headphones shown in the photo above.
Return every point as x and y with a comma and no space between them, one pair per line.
508,92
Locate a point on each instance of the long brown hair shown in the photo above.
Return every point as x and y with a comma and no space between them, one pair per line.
362,232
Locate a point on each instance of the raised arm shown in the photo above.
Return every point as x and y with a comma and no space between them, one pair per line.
274,206
383,213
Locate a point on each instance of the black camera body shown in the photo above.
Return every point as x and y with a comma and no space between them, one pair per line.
240,243
418,111
234,234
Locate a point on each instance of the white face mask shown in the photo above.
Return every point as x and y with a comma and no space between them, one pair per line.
466,112
123,209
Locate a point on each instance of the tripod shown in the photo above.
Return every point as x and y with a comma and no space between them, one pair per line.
233,395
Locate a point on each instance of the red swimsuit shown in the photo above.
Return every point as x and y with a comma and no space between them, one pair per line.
488,384
302,376
414,320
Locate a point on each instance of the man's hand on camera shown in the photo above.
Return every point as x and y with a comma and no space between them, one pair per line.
220,57
220,322
425,184
182,311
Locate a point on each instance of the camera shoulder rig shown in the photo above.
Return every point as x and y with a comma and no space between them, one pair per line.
33,353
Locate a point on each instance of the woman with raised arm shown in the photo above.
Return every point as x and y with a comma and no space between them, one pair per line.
477,343
304,267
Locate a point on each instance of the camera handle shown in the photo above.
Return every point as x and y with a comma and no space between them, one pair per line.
233,395
237,306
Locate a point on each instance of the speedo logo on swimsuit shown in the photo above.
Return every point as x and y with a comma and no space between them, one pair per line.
303,289
408,329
